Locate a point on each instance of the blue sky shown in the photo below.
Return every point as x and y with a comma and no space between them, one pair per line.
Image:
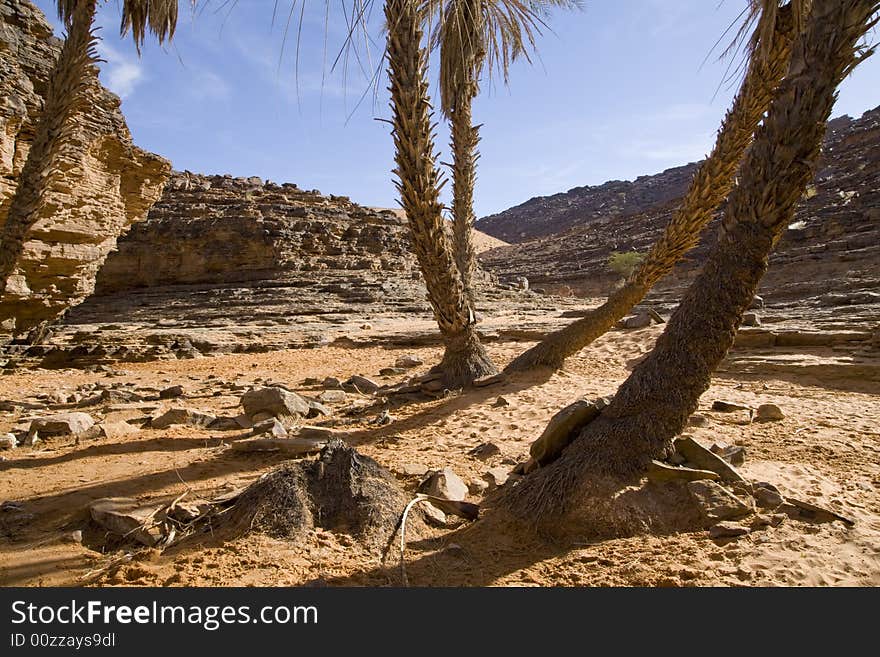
618,90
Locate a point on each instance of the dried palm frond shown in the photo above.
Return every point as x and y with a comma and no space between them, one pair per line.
758,27
157,16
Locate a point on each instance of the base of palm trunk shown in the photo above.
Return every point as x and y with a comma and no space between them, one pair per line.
543,354
465,360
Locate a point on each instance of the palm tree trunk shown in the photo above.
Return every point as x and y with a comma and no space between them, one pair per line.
73,72
711,184
419,187
653,404
465,138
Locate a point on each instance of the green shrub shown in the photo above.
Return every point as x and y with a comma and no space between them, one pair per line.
625,263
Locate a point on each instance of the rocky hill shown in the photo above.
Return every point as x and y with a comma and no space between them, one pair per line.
106,184
827,263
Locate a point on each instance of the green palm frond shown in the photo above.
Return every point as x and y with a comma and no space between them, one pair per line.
138,17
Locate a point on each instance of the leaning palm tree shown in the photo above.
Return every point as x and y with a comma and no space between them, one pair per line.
419,183
654,403
472,35
73,73
769,56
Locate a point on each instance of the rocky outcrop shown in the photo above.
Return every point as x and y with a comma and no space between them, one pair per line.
826,267
107,185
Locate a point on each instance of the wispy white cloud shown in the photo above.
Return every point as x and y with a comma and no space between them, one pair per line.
120,73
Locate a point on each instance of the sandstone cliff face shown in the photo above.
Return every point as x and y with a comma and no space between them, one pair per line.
108,185
826,264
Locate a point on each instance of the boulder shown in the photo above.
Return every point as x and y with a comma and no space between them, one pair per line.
716,502
317,409
702,458
769,413
113,430
271,427
444,484
62,424
275,401
332,396
184,416
563,428
361,384
125,518
171,393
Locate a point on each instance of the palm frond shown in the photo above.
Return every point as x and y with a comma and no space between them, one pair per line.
759,25
156,16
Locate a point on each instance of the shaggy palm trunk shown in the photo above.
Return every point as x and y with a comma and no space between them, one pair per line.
654,403
465,138
419,187
711,184
72,74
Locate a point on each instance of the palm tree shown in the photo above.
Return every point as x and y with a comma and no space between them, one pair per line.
770,54
653,404
470,35
74,71
419,184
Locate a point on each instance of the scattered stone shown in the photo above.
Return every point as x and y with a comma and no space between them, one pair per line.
319,433
637,321
497,476
733,454
292,446
777,519
171,393
757,303
767,495
657,317
311,381
185,416
433,515
392,371
813,512
434,386
728,407
408,361
226,423
490,380
332,396
413,470
275,401
751,319
361,384
478,486
114,430
8,441
676,459
244,421
272,427
501,402
697,420
123,517
659,472
383,419
74,536
563,428
702,458
331,382
187,512
769,413
63,424
716,502
484,451
317,409
444,484
727,530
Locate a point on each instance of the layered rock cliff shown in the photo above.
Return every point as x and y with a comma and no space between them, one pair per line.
827,263
108,183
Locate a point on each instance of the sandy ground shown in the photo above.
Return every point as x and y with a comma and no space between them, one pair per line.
826,450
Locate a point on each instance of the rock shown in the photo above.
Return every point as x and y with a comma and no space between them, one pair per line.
563,428
317,409
700,457
361,384
501,402
292,446
125,518
74,536
331,382
716,502
332,396
657,317
757,303
63,424
275,401
433,515
767,495
637,321
272,427
697,420
751,319
8,441
100,186
392,371
383,419
226,423
114,430
413,470
727,530
484,451
659,472
189,511
184,416
408,361
728,407
311,381
478,486
444,484
171,393
319,433
490,380
769,413
497,476
809,511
